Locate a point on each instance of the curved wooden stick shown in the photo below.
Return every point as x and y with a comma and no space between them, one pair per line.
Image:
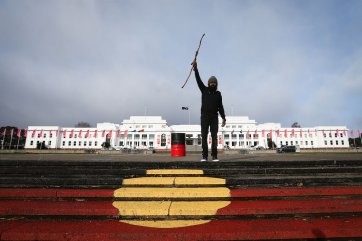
197,52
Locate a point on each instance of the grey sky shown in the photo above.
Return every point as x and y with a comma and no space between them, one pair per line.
101,61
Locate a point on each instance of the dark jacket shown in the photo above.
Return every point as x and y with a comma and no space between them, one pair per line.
211,99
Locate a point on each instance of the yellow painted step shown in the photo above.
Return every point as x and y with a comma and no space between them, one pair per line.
174,172
145,192
174,181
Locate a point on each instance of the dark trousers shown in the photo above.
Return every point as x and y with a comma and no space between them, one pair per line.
211,122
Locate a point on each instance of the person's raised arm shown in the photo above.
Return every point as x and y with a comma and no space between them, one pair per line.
197,76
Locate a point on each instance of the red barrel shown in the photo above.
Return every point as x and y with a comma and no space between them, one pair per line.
178,144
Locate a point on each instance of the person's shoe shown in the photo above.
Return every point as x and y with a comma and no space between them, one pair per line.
214,159
203,160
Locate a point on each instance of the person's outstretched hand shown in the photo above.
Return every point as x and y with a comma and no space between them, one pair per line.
194,64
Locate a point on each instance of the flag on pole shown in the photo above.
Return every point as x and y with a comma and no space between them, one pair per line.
18,134
220,139
293,132
344,132
247,135
26,132
271,134
285,133
95,133
352,133
4,132
337,131
64,133
359,133
50,133
103,133
110,134
11,132
80,133
57,133
125,133
263,133
300,133
118,133
33,133
278,133
87,134
41,133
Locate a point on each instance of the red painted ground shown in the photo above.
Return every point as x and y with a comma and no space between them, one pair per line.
215,230
247,229
99,208
256,192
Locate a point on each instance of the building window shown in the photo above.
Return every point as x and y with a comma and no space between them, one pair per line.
311,142
31,143
336,143
85,143
49,143
325,143
151,143
144,136
233,136
90,143
150,126
331,143
341,134
163,140
226,136
233,143
95,143
335,134
325,135
80,143
69,143
75,143
45,135
241,136
342,142
63,143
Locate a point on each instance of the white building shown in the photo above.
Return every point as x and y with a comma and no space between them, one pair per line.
142,132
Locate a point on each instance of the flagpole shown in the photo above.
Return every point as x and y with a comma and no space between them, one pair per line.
11,139
17,146
2,145
189,115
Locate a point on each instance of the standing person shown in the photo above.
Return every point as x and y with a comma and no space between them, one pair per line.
210,107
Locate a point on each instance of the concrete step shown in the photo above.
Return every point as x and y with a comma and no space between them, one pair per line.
112,200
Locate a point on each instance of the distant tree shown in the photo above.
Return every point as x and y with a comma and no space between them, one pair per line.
12,141
271,144
82,124
296,125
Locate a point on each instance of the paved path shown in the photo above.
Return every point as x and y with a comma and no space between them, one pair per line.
116,198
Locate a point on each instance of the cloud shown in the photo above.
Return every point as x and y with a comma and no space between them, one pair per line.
67,61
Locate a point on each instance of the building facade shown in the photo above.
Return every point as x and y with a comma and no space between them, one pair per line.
143,132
